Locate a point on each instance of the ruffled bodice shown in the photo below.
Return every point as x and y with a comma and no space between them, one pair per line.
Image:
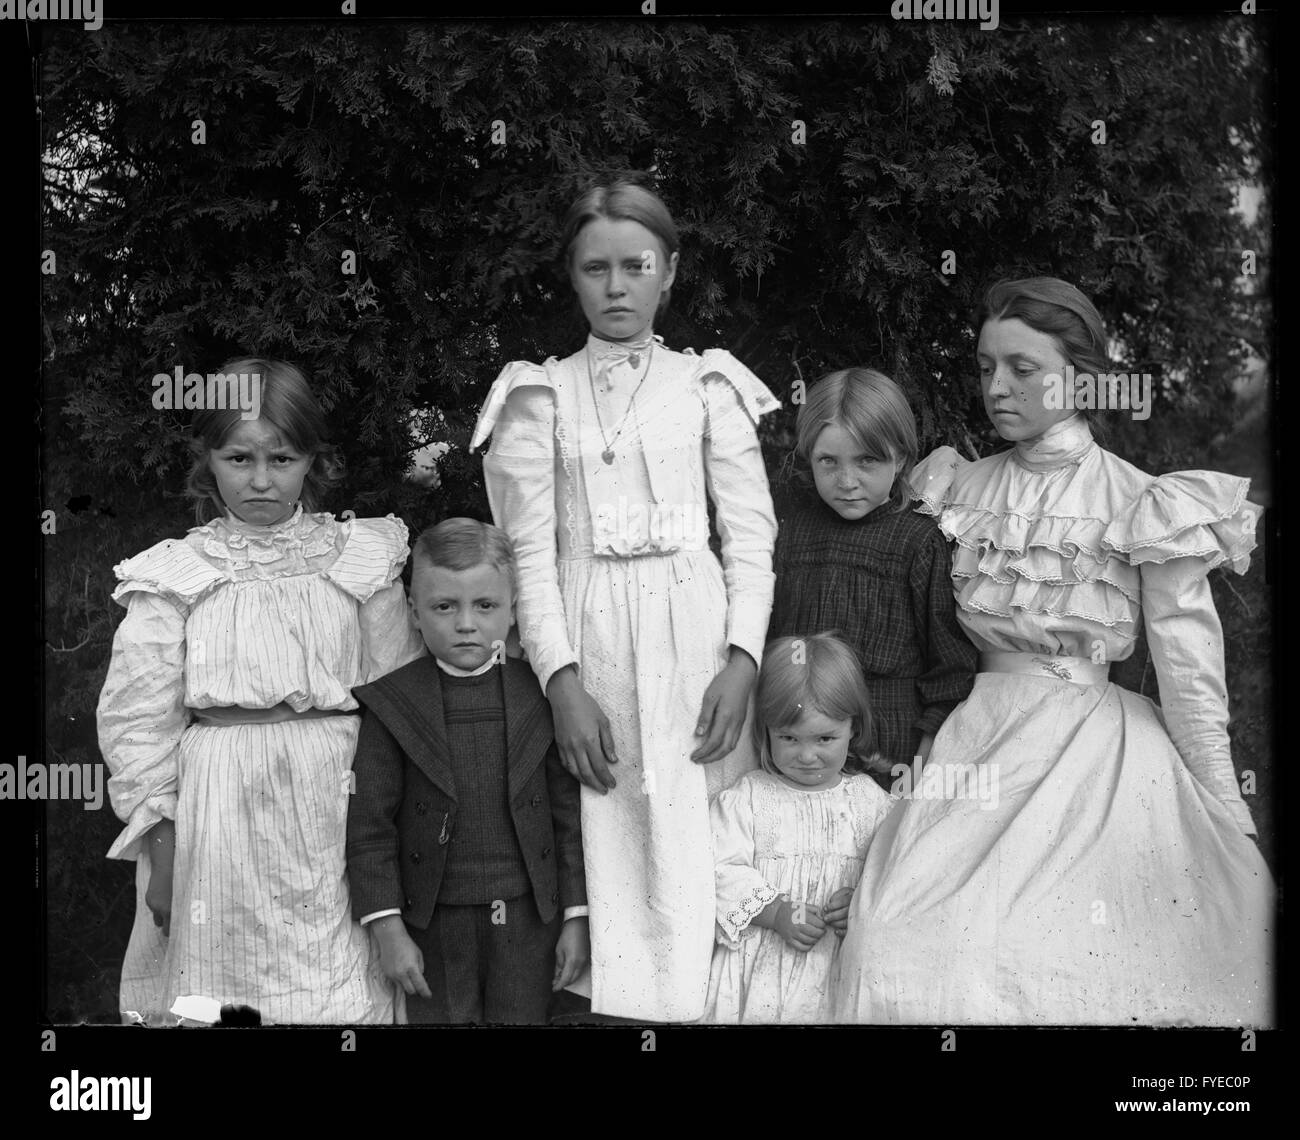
1062,548
252,616
1050,543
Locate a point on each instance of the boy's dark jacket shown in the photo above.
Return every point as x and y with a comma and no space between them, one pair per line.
402,811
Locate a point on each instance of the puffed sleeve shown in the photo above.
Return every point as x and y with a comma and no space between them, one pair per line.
932,477
519,471
389,638
141,715
1186,643
742,892
737,483
1175,532
369,567
950,657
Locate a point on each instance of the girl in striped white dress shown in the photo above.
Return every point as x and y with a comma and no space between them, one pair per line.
228,724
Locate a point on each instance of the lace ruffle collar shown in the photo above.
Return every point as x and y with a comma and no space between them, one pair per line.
241,543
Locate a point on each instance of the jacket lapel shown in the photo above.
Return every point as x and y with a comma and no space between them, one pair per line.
409,703
529,732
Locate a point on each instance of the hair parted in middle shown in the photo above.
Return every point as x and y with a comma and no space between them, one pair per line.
462,544
873,410
620,200
290,406
817,672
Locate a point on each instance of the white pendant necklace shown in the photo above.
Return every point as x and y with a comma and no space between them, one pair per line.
608,454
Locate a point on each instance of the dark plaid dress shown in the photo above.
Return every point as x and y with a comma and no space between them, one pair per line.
883,585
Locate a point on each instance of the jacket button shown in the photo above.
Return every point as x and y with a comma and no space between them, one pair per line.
555,896
420,808
415,856
545,852
537,800
409,904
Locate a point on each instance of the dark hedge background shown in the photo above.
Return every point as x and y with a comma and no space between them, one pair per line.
800,257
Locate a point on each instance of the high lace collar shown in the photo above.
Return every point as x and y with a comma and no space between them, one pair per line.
235,541
1061,444
256,532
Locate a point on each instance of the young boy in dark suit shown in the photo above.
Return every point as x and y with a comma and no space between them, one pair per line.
464,844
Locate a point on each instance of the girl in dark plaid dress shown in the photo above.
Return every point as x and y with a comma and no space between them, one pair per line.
854,558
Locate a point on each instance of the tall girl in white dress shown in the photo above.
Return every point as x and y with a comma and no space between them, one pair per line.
600,470
229,727
1100,870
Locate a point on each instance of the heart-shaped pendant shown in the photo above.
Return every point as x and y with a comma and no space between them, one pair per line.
607,455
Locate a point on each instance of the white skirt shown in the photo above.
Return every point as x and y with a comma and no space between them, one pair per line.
1064,867
260,902
650,634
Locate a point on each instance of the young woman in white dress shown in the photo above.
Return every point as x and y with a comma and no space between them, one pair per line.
601,468
1100,869
229,727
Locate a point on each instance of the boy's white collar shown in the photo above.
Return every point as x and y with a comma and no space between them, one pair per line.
456,671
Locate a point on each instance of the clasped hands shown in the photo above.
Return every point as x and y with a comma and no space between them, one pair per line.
586,744
801,925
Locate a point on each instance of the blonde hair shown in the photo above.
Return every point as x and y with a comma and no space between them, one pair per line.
873,410
290,406
621,200
462,544
816,673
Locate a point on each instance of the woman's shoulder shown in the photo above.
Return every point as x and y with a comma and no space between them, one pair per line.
1182,514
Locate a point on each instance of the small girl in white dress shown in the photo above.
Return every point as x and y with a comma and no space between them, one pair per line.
790,839
229,726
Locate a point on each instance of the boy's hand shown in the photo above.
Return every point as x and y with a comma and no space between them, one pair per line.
161,845
800,924
836,913
399,956
722,712
572,952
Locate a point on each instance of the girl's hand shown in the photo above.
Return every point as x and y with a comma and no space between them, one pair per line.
923,749
800,924
836,913
399,956
161,845
722,713
572,952
582,733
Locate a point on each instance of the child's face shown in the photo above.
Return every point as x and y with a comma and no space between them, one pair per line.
850,482
811,752
259,474
1014,359
619,271
463,615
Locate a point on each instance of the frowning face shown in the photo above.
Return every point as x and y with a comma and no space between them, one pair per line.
259,474
849,481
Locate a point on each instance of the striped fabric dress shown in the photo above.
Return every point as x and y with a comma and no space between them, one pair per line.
251,616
